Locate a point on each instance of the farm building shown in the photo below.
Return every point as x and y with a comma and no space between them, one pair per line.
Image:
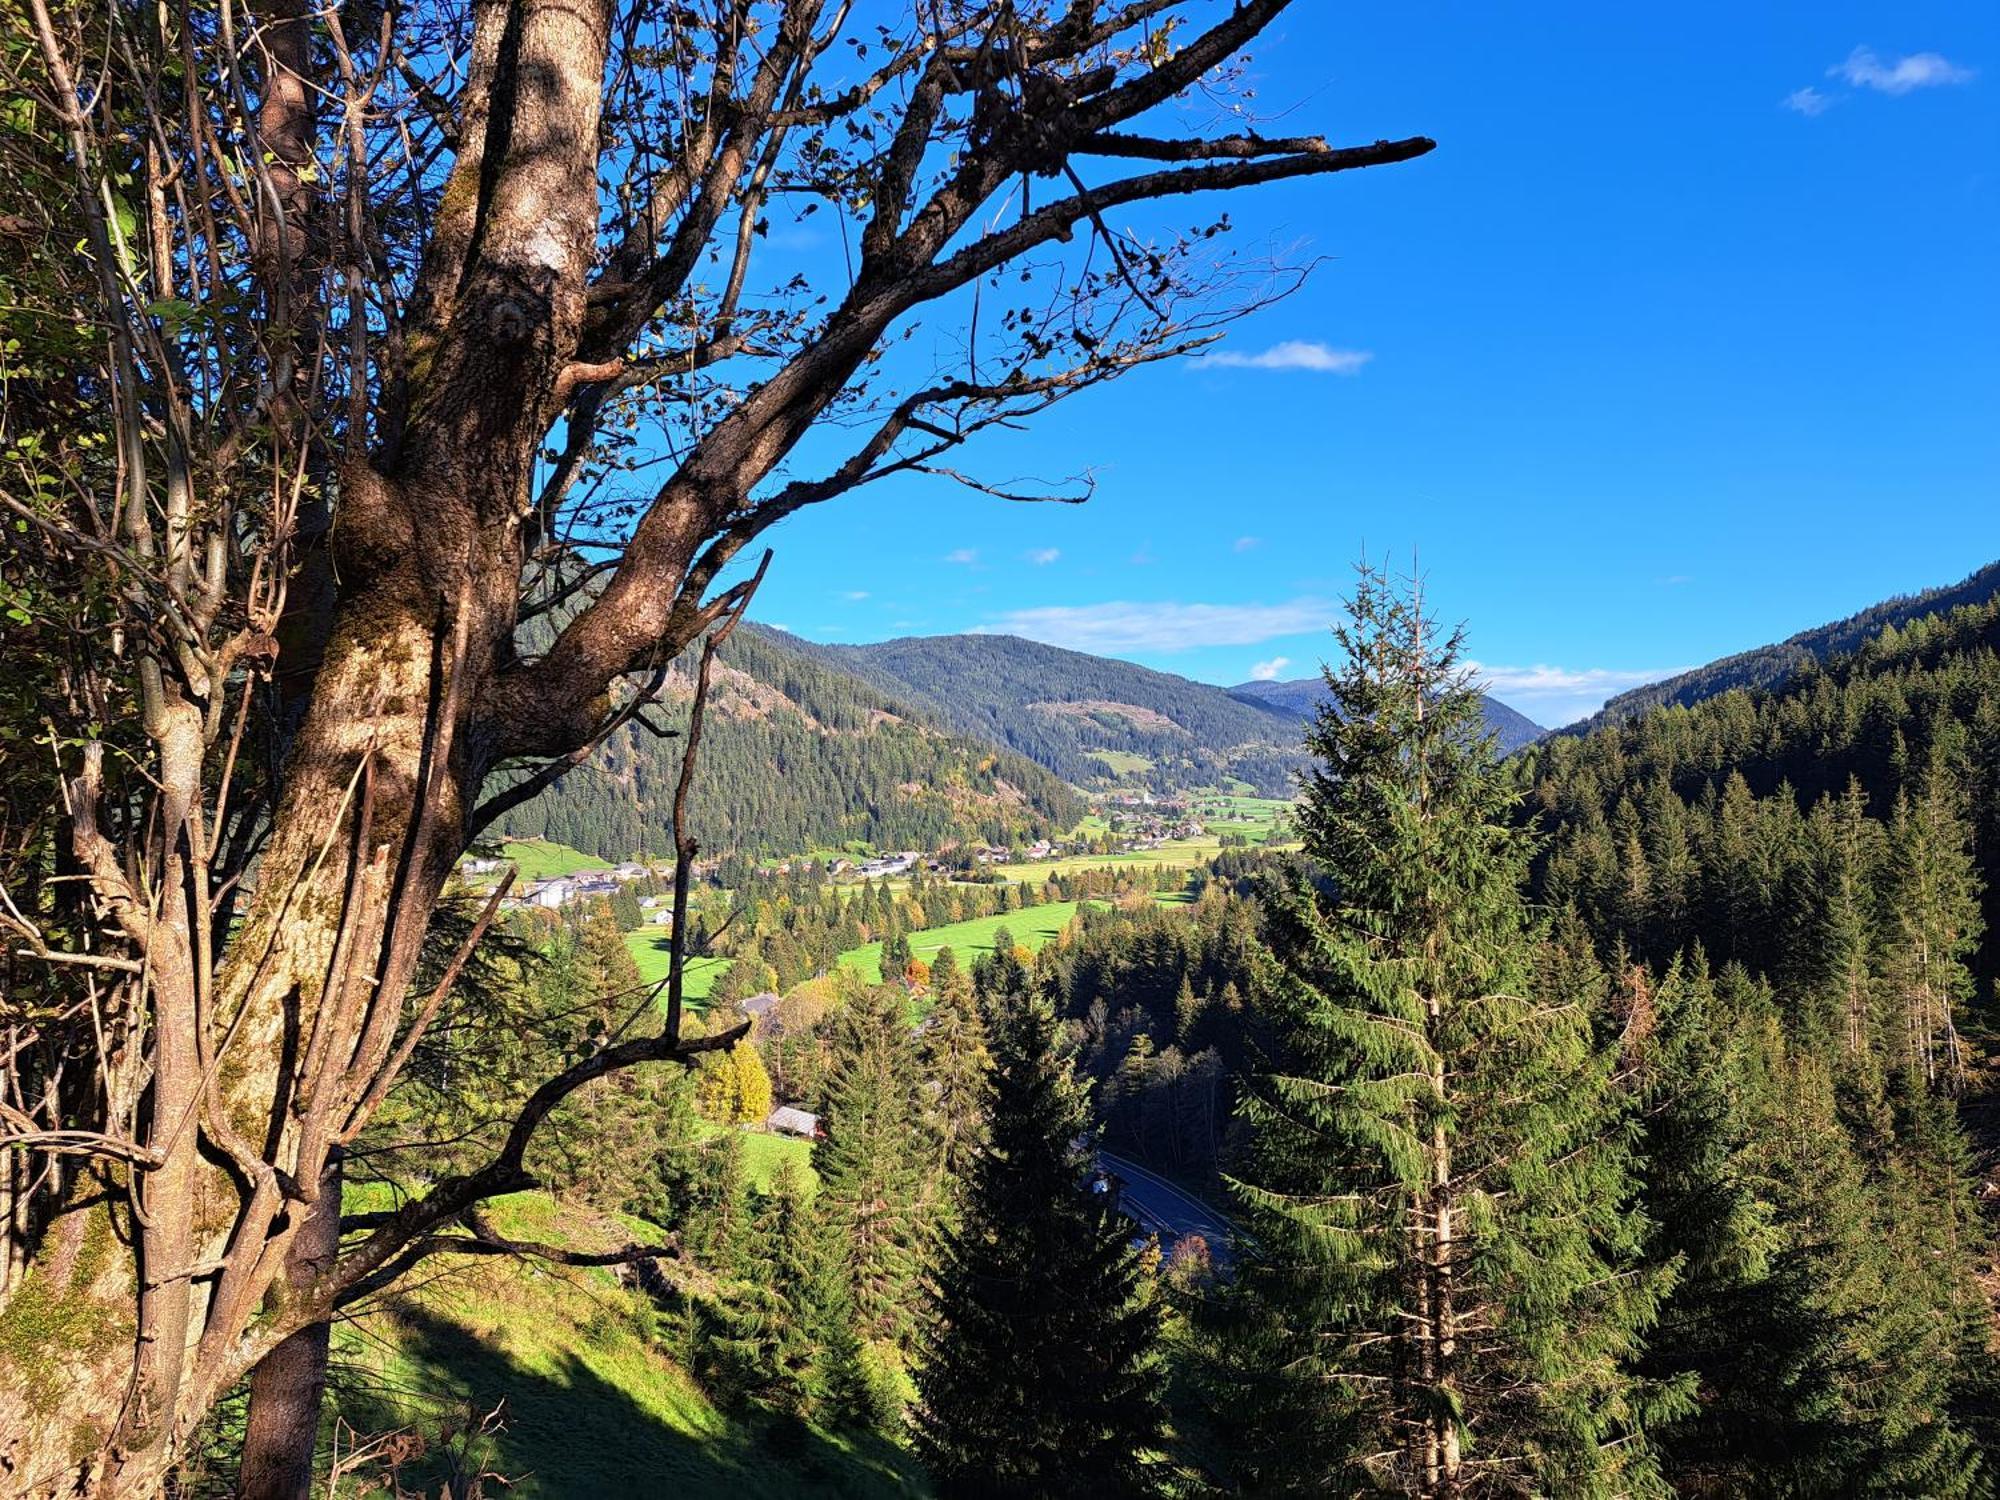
786,1120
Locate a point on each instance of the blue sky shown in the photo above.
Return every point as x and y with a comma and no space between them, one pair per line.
1686,337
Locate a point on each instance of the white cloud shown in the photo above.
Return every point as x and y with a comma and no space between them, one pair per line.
1041,557
1291,354
1808,101
964,555
1127,626
1560,695
1920,70
1267,671
855,596
1245,543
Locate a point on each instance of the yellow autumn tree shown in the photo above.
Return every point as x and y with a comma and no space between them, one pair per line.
752,1084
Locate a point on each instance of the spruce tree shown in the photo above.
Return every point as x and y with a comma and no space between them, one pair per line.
1882,1353
1934,922
875,1163
1734,1327
1040,1375
1444,1293
955,1057
791,1326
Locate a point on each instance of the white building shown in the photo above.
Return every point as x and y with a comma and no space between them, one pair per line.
553,892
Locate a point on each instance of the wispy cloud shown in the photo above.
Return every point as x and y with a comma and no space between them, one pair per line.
1267,671
1144,557
1559,695
1246,543
965,556
1291,354
1808,101
1128,626
1041,557
1865,69
855,596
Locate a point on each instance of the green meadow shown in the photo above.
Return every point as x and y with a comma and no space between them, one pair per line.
1031,927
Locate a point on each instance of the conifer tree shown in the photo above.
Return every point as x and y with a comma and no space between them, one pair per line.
1934,920
716,1221
1840,938
792,1325
1444,1294
1882,1355
1040,1375
874,1164
1734,1326
956,1058
948,980
895,957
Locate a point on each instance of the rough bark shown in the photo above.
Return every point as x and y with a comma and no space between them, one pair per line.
285,1389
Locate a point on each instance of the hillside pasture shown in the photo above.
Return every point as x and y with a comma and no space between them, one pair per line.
651,950
1177,853
1031,928
1122,762
539,859
1254,817
594,1404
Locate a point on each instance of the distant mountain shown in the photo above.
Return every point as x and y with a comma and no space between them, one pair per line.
1300,698
1769,666
798,754
1094,721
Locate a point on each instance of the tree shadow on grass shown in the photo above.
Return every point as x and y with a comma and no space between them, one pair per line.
571,1434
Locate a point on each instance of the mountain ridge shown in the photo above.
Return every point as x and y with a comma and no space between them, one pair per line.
1301,697
798,753
1080,715
1771,665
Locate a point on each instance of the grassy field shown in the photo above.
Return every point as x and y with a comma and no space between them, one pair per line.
596,1409
538,859
649,947
762,1153
1121,762
1256,817
1031,927
1180,853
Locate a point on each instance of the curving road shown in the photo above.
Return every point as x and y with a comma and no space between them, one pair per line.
1164,1209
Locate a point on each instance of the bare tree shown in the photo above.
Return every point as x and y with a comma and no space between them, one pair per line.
370,334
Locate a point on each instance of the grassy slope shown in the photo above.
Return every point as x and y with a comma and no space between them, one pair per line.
1121,762
538,859
1031,927
596,1410
649,947
762,1154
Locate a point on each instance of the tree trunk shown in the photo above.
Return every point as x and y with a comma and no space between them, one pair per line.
285,1389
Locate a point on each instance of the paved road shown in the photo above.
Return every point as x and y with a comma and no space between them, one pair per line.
1162,1208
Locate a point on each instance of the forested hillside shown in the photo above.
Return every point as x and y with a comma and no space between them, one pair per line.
1738,821
798,754
1768,666
1302,697
1083,716
1795,892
